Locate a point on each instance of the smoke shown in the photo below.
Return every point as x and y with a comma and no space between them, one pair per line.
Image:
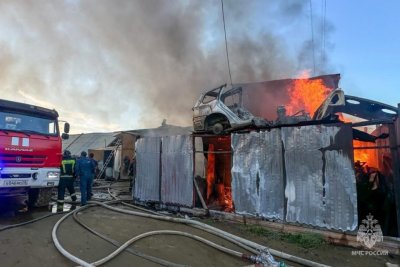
113,65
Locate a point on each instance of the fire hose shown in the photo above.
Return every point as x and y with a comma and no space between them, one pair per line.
251,246
117,244
220,233
30,221
264,253
252,258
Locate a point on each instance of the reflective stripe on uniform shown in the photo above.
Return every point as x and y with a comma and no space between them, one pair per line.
68,161
60,201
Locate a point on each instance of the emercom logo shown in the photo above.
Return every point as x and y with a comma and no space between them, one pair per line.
368,234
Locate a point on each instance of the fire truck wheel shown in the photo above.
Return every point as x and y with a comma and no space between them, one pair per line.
39,197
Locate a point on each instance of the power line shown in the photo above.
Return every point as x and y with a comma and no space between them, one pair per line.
324,27
226,43
312,35
323,12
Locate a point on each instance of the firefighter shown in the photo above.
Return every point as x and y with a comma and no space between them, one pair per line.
84,170
66,179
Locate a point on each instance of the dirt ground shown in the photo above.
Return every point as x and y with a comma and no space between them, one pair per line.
32,245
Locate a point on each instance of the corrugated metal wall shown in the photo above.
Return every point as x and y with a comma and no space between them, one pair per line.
172,182
297,174
319,183
321,187
147,184
257,184
177,170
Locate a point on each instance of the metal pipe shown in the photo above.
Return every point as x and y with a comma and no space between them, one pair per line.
372,122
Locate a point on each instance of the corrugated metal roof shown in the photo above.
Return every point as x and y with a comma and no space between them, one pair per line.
83,142
163,130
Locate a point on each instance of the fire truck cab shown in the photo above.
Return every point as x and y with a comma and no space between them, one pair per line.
30,151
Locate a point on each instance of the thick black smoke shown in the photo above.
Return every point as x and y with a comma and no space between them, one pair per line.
111,65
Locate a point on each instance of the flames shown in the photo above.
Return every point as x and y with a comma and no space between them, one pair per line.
367,156
306,94
210,171
361,155
218,175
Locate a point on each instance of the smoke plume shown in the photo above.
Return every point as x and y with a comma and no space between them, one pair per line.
126,64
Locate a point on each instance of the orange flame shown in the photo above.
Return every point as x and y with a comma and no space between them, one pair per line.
218,175
210,172
367,156
306,94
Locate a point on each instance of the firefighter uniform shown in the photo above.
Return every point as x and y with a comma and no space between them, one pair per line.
66,178
85,171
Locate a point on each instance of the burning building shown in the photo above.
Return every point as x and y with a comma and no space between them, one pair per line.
313,164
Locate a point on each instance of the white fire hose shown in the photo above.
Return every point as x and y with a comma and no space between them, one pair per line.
244,243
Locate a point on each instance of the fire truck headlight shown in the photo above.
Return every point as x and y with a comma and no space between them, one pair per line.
53,175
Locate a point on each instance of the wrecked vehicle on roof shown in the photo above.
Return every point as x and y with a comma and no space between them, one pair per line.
220,110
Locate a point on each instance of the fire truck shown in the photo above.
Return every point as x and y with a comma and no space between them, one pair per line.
30,151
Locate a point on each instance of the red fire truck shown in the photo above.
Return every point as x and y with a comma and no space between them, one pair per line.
30,151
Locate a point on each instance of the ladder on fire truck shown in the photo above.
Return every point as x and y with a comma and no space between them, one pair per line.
118,143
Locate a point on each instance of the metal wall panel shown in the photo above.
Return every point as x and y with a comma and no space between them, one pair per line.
177,170
257,180
320,182
147,184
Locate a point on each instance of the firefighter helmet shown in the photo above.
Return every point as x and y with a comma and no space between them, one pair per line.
67,153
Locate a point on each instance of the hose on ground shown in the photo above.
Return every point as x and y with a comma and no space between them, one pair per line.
60,247
132,240
30,221
244,243
111,194
117,244
237,240
156,213
140,208
169,232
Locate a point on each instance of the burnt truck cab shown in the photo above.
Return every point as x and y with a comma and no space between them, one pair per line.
219,110
30,148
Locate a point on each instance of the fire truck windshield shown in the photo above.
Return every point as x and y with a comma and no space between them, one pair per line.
28,123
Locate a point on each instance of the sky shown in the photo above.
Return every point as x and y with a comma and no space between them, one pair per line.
129,64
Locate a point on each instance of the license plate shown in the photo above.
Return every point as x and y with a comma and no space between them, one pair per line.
15,182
